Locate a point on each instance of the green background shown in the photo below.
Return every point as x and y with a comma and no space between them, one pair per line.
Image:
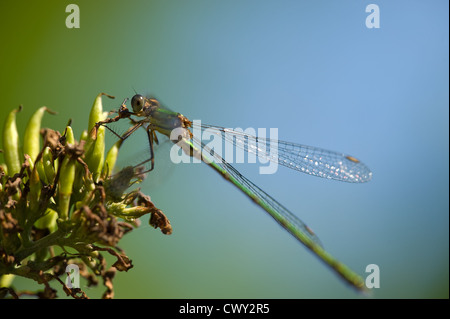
309,68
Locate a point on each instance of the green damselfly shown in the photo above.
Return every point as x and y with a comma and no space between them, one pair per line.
149,114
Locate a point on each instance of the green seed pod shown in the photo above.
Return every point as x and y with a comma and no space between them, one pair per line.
84,136
89,195
48,165
95,149
35,190
40,169
11,143
48,220
96,115
69,135
111,159
66,179
95,154
32,137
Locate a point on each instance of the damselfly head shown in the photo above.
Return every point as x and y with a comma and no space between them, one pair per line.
143,106
137,103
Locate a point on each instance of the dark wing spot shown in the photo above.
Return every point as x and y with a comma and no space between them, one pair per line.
351,158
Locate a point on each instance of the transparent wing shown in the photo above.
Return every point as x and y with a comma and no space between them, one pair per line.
307,159
281,214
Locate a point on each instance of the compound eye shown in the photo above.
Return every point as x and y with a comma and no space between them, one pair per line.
137,103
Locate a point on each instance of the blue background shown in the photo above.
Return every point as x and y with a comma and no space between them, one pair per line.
309,68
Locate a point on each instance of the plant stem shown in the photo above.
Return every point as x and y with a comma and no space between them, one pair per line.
56,237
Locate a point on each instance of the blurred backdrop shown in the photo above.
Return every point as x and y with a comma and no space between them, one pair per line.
313,70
